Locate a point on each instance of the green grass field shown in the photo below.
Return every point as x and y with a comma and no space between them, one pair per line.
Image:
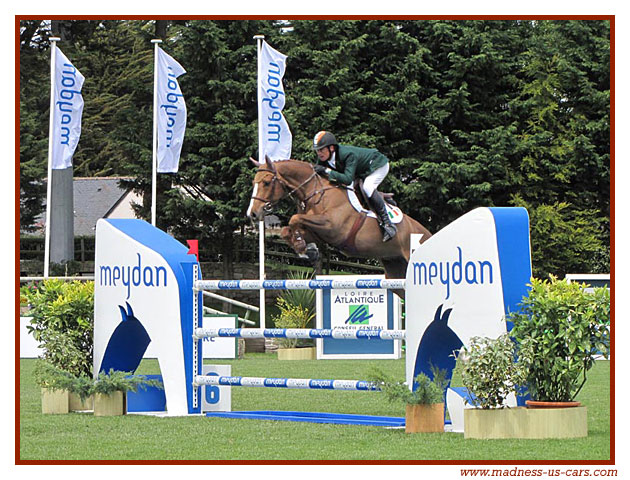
81,436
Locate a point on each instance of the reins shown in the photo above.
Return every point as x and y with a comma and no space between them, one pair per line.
290,191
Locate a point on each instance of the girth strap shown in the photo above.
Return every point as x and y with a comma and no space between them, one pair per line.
348,243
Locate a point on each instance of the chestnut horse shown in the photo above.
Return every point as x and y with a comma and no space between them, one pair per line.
326,215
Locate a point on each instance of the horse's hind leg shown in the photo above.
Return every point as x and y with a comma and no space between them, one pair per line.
395,268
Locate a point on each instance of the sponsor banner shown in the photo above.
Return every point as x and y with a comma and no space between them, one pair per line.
357,307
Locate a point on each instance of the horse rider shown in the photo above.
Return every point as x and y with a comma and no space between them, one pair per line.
344,163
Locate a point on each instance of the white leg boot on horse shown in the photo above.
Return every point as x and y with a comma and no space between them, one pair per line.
378,204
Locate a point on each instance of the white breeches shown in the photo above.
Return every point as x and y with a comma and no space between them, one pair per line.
374,179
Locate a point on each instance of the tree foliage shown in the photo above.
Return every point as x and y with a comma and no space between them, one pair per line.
471,113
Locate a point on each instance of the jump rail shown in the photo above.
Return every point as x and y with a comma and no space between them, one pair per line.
315,284
337,333
219,312
291,383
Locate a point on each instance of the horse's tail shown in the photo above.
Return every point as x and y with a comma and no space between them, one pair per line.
416,227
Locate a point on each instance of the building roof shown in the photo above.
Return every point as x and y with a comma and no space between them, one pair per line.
98,197
94,198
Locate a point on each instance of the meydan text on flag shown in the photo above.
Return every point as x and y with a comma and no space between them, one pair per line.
68,108
276,136
171,121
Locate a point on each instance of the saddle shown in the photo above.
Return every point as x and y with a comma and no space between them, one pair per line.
349,242
357,186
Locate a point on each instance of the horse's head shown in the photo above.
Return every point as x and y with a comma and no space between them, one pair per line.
268,190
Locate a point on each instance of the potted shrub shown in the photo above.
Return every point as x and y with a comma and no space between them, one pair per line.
62,322
55,385
491,373
109,390
559,330
565,328
424,406
297,310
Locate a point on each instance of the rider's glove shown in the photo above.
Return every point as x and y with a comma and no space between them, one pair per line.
320,169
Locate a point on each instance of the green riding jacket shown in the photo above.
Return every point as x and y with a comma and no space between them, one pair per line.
354,162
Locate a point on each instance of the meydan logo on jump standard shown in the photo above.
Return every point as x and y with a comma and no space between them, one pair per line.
460,271
132,275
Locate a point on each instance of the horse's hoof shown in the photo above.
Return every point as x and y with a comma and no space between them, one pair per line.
299,245
312,252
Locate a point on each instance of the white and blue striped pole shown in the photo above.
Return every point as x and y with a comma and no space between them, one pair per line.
290,383
336,333
315,284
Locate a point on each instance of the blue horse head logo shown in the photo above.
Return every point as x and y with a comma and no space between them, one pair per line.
438,347
127,344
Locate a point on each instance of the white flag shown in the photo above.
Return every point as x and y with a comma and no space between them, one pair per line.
276,136
68,110
171,113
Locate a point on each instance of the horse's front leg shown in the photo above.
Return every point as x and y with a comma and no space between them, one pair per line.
295,238
302,243
318,225
311,228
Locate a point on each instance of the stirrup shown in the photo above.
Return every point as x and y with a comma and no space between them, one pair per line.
389,232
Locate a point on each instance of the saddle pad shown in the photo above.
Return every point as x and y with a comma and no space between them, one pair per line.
395,214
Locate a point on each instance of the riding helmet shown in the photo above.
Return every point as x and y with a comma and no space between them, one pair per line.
323,139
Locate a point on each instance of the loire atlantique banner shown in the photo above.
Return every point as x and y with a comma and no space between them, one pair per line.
351,309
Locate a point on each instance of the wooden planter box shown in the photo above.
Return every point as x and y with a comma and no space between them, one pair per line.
107,405
521,422
76,405
55,401
308,353
424,418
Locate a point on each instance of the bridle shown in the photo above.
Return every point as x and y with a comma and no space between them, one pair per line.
290,191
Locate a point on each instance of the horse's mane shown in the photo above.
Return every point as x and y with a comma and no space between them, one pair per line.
294,162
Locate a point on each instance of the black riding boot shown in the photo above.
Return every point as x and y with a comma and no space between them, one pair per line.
378,204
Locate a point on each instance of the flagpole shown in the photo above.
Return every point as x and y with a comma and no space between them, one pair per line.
261,159
155,42
53,59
